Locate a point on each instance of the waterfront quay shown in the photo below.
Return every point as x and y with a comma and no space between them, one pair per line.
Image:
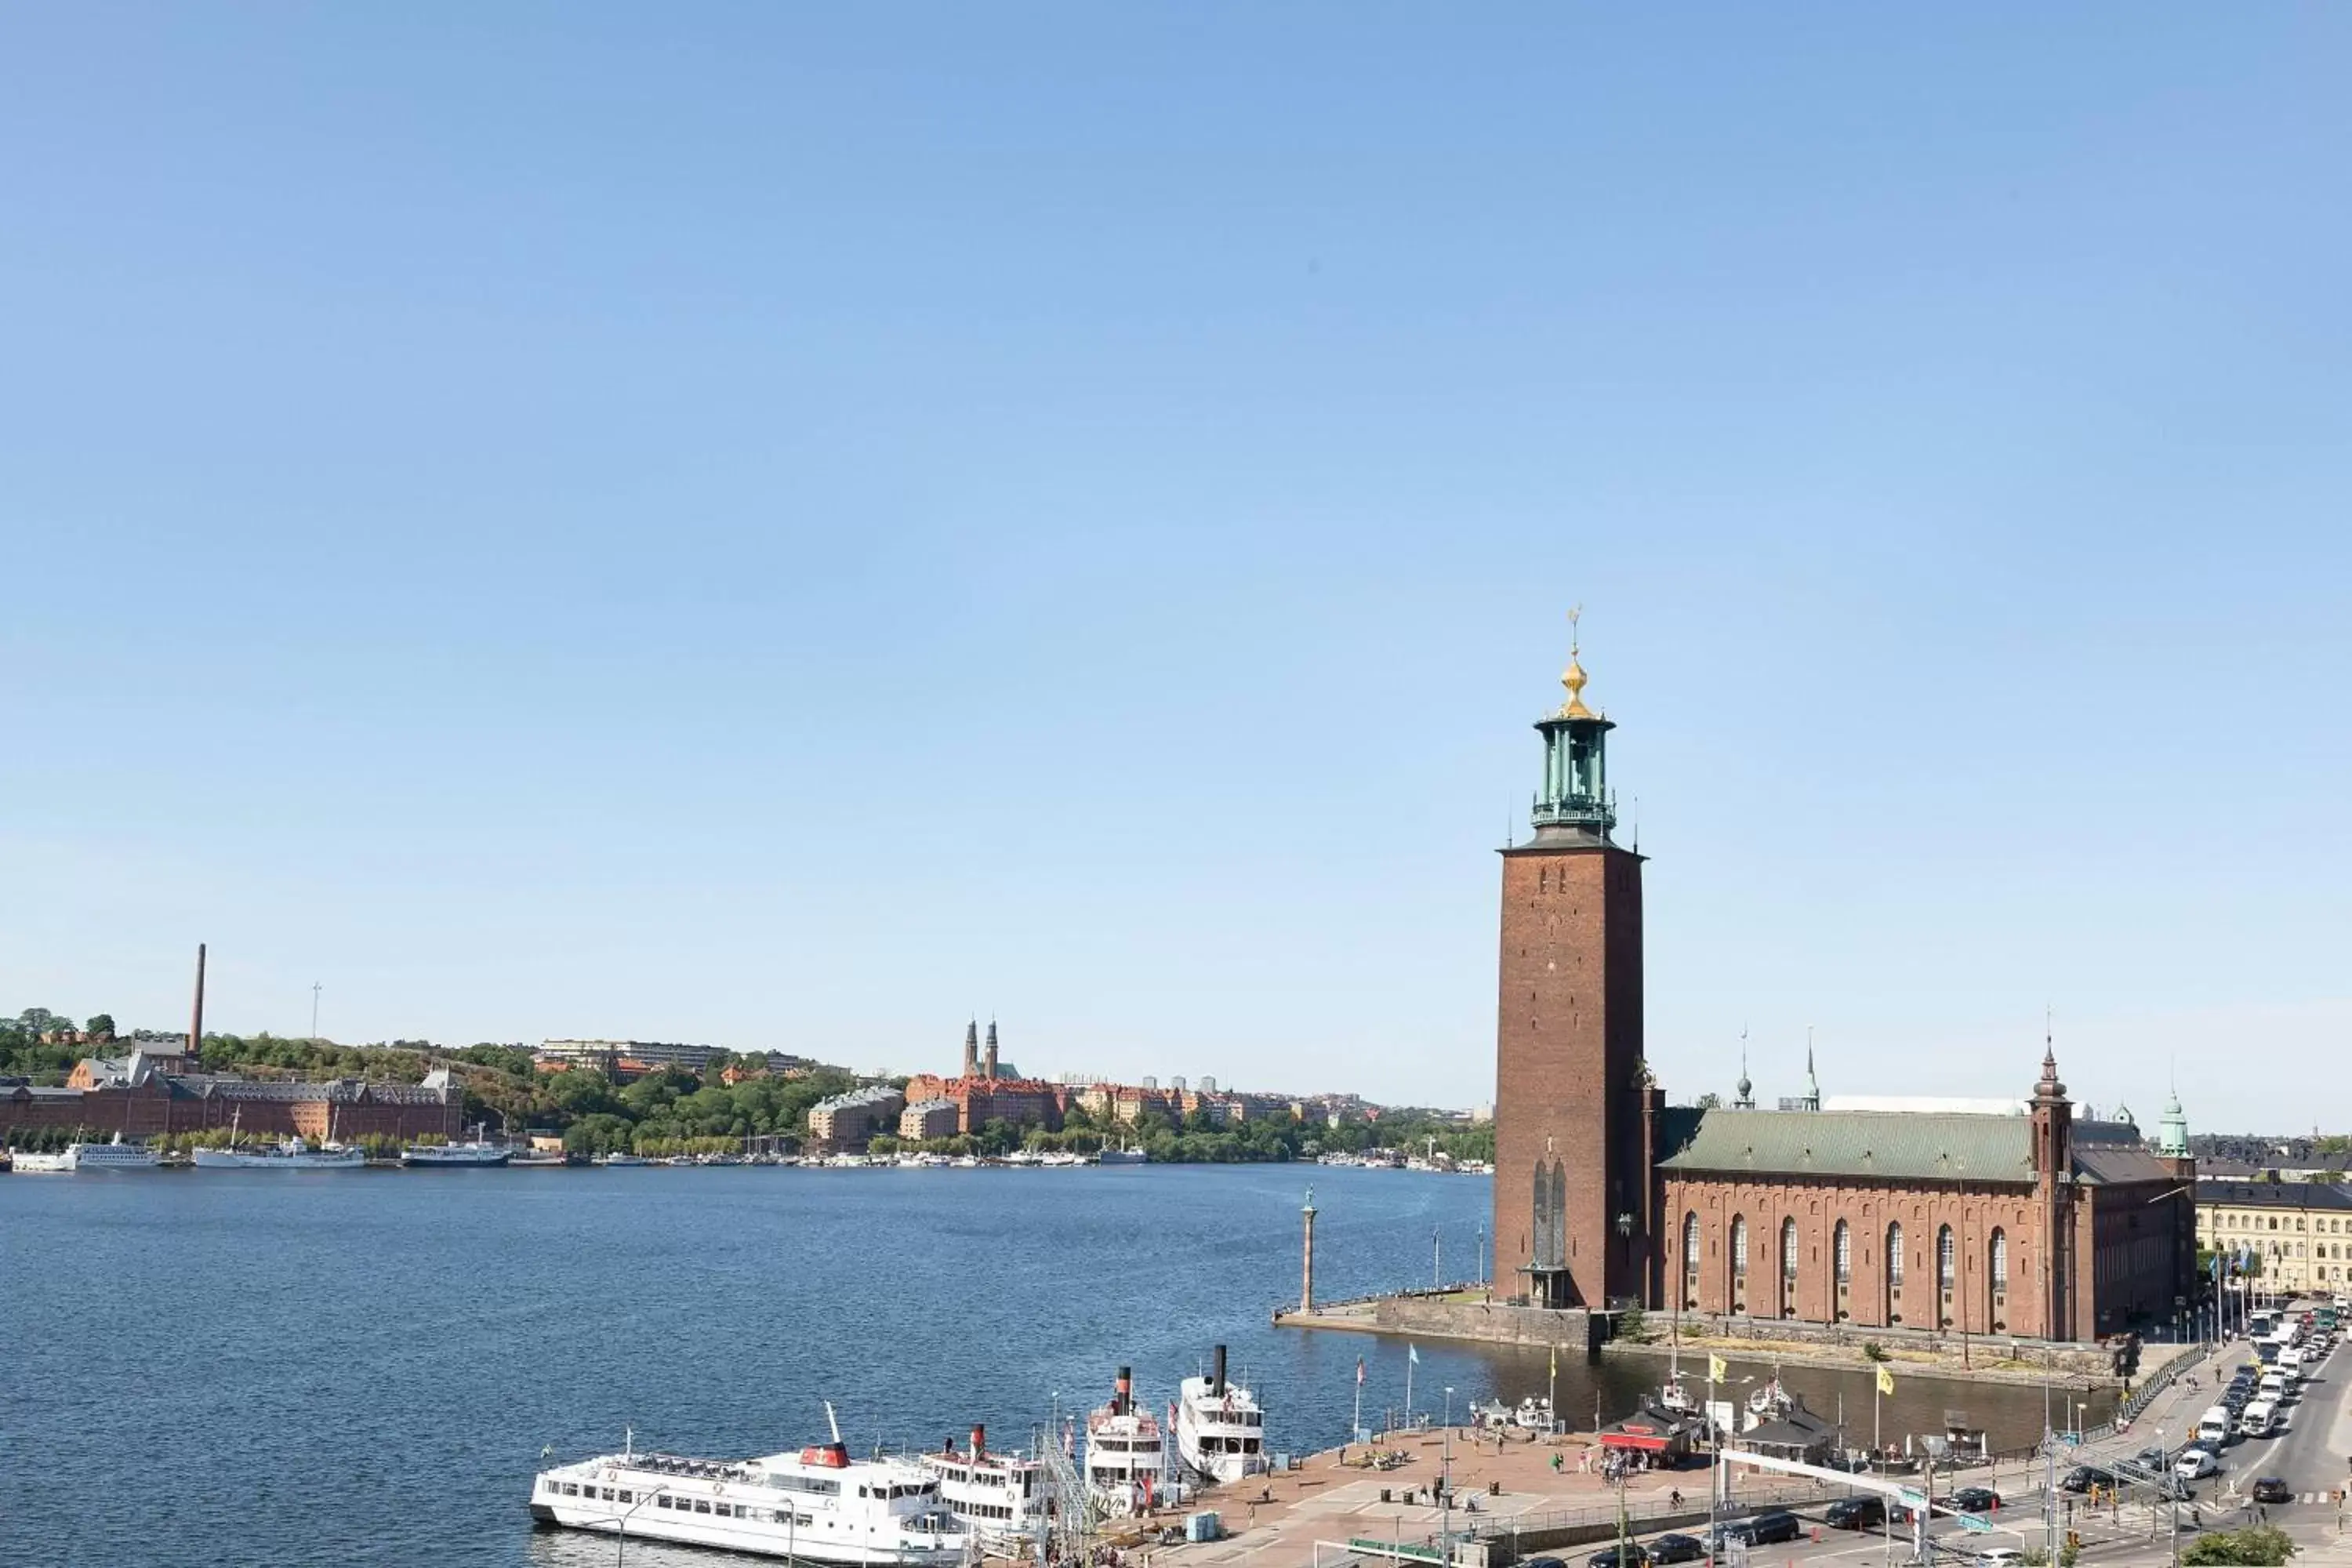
1387,1503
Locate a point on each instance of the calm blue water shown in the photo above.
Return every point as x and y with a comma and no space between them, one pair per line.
364,1368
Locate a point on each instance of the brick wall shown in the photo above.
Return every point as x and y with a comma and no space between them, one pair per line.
1568,1050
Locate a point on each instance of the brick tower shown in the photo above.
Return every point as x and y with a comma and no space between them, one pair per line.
1571,1186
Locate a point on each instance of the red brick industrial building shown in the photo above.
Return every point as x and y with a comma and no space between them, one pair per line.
2015,1222
145,1103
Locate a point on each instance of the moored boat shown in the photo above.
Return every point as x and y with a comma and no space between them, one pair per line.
25,1162
816,1505
293,1154
1220,1429
477,1151
1127,1454
1000,1498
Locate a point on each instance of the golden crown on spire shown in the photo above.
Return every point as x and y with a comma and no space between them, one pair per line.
1573,676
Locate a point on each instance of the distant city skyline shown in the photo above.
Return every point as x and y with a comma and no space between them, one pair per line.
786,529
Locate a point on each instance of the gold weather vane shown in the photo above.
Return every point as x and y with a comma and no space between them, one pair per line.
1573,676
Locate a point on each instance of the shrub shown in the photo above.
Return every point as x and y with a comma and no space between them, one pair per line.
2257,1546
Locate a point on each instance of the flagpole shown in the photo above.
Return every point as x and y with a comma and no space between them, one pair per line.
1410,1357
1358,1424
1551,1391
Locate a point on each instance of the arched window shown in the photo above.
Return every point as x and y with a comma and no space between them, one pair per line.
1944,1258
1999,1259
1690,1244
1559,1216
1788,1251
1739,1247
1844,1253
1543,1218
1894,1255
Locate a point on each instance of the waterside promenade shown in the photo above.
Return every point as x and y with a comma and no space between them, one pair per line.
1511,1502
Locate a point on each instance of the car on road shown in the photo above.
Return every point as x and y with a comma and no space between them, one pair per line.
2155,1459
1999,1557
1976,1500
1761,1531
2083,1478
2270,1488
1678,1549
1856,1514
1630,1555
2195,1464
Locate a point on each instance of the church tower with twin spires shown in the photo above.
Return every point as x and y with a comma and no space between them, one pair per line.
1572,1181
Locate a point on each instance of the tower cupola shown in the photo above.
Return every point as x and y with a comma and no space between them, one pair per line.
1574,802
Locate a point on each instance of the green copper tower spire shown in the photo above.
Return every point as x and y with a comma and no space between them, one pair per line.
1574,801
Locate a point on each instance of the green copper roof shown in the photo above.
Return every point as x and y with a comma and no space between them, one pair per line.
1890,1146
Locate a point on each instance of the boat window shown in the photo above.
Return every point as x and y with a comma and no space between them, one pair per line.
701,1506
627,1497
570,1489
662,1500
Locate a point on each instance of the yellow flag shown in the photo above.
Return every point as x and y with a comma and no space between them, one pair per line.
1716,1370
1885,1381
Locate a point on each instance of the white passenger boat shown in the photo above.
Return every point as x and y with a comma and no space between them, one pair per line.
293,1154
1001,1499
477,1151
116,1155
1219,1430
817,1505
1127,1454
618,1160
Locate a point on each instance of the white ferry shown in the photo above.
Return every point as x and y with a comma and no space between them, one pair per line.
999,1497
294,1154
477,1151
616,1162
115,1156
1219,1430
1127,1454
817,1505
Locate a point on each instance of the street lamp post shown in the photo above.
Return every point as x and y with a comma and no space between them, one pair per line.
621,1529
1445,1498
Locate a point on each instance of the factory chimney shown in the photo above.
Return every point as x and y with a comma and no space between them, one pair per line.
196,1018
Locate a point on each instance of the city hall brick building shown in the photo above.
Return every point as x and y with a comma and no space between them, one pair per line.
2014,1221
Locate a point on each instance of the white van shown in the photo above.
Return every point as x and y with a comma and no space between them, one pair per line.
2272,1388
2213,1428
2256,1419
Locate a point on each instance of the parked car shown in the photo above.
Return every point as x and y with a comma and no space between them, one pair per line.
1678,1549
1856,1513
1630,1555
2269,1488
1976,1500
2195,1464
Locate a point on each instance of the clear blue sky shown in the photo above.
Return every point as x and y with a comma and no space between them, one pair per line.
791,526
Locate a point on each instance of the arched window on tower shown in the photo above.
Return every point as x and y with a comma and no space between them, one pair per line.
1844,1253
1999,1259
1559,1214
1944,1258
1543,1218
1895,1255
1788,1267
1739,1247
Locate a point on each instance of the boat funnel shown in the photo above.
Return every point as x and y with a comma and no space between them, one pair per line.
979,1440
1123,1392
1217,1373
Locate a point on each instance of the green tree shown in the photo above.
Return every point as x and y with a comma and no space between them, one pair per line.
101,1026
2257,1546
